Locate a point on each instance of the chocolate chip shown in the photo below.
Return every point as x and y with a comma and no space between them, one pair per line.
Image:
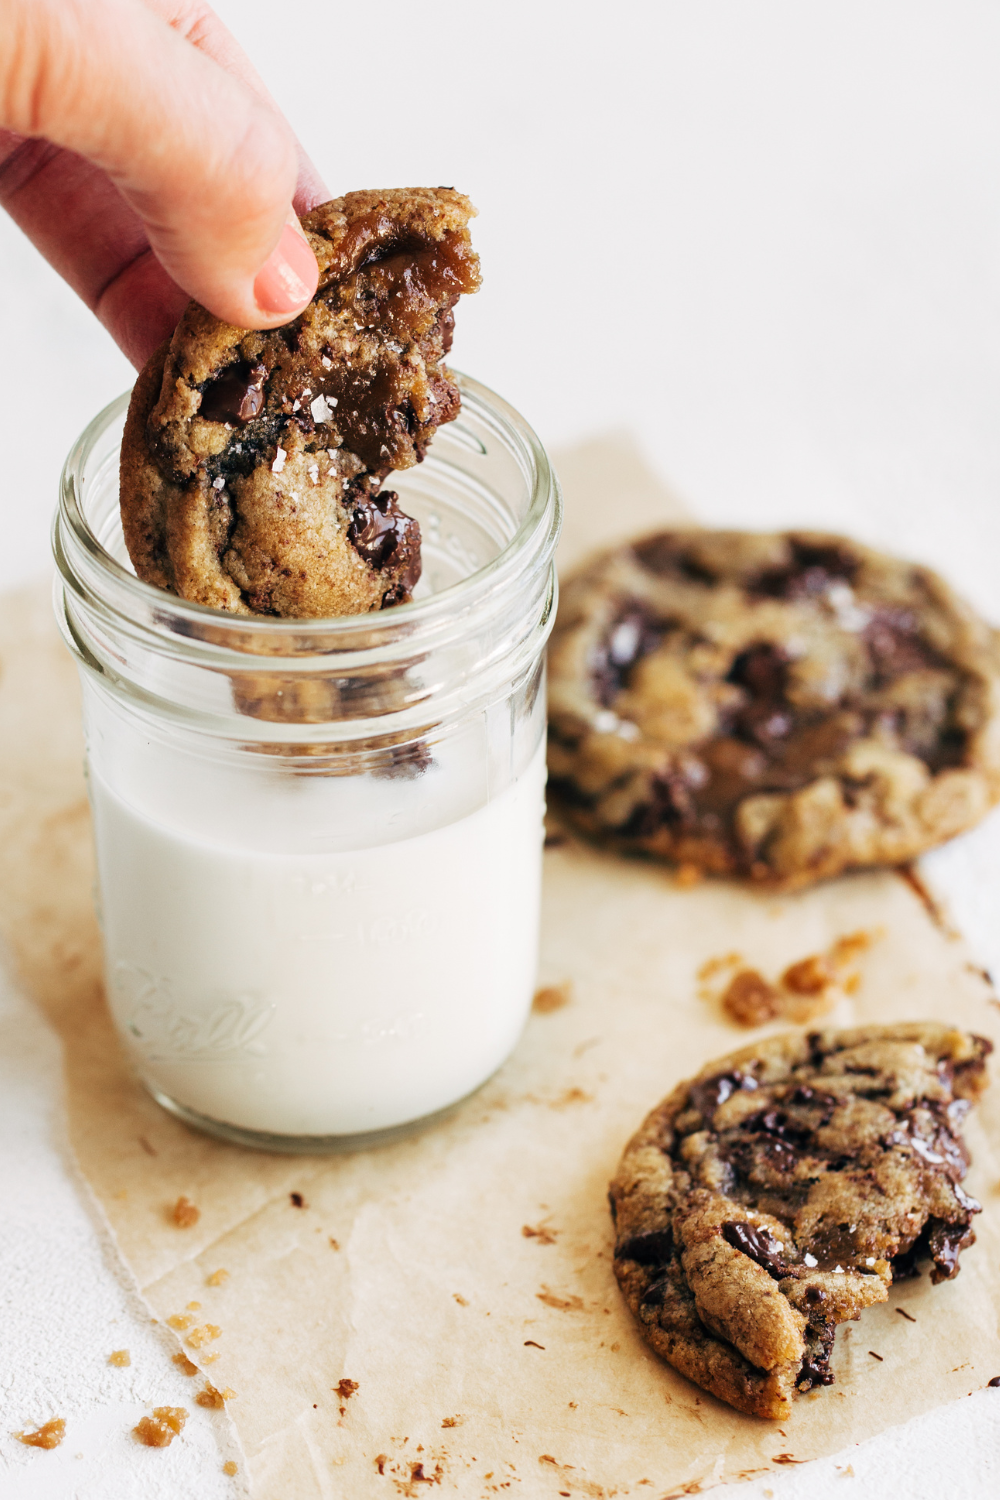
995,1382
236,396
668,553
380,531
759,1244
655,1295
777,1122
762,670
815,1369
813,568
945,1243
633,634
653,1248
711,1092
894,645
671,805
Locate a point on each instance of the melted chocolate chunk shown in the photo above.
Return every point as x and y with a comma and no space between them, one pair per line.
762,670
655,1295
236,396
760,1157
816,1365
758,1244
810,573
633,635
946,1242
776,1122
380,531
894,645
654,1248
939,1149
667,553
672,806
711,1092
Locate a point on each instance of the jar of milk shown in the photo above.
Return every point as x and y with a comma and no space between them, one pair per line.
319,841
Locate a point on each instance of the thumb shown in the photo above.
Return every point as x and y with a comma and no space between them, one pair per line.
206,164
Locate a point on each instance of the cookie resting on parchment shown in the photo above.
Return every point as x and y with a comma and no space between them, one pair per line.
781,1192
253,462
779,707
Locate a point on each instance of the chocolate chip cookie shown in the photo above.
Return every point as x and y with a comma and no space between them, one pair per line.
779,707
781,1192
253,462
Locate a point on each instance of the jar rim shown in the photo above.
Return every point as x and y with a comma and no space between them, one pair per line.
86,566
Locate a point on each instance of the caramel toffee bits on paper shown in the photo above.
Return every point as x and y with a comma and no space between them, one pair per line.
185,1214
253,462
778,707
782,1191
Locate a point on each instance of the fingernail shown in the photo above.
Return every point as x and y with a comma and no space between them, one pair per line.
287,280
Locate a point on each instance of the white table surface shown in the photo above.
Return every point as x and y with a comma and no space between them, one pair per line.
763,237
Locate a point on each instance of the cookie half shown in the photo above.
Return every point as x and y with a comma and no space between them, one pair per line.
781,1191
780,707
253,462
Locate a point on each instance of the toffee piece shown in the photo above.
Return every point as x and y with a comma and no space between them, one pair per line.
253,462
778,707
781,1191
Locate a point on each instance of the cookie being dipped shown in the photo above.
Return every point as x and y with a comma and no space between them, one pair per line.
780,707
781,1191
253,463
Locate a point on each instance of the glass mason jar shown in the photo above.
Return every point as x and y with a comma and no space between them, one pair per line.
319,841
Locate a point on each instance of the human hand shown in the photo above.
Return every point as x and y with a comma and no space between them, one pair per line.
143,156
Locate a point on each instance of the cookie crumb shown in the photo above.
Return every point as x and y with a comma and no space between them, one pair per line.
217,1277
185,1365
194,1307
462,1301
749,1000
345,1390
713,966
904,1314
159,1430
180,1321
214,1399
541,1233
185,1214
334,1244
229,1467
49,1435
452,1421
298,1201
199,1336
810,976
552,997
120,1357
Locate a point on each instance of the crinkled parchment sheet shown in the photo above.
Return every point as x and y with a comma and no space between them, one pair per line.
462,1278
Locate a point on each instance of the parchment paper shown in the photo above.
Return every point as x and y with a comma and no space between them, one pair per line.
462,1277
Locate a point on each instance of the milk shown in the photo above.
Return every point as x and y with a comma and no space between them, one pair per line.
322,993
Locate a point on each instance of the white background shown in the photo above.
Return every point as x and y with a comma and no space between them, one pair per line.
763,236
